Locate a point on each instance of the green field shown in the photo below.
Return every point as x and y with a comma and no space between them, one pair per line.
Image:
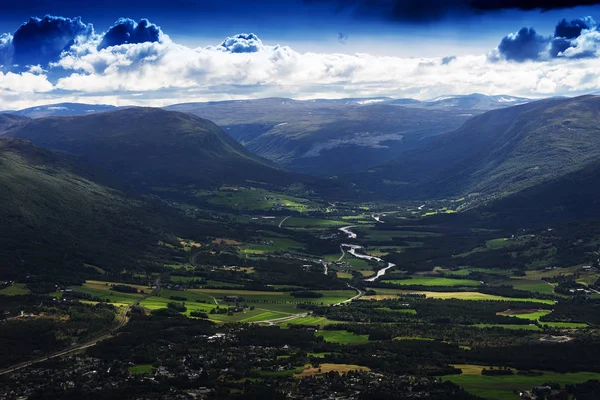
309,320
271,244
502,387
530,327
254,199
312,223
534,316
434,281
141,369
393,294
101,290
342,337
565,325
14,290
267,305
401,310
377,235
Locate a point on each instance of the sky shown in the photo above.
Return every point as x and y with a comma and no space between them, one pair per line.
158,53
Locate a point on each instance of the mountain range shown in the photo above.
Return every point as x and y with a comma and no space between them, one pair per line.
153,150
498,152
319,137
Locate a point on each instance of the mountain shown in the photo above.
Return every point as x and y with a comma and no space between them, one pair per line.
326,137
63,109
473,101
498,152
151,149
56,218
8,120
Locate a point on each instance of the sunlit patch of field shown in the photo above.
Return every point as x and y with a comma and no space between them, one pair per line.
342,337
503,387
225,241
529,327
15,290
383,294
141,369
326,367
309,320
434,281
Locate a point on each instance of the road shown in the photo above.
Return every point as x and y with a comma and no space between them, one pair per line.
281,319
92,342
283,220
359,294
347,231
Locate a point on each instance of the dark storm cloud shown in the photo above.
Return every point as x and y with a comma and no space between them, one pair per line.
127,31
527,44
242,43
40,41
430,10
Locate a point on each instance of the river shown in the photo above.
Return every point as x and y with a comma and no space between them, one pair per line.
352,249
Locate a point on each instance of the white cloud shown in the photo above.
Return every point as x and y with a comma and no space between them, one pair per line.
165,72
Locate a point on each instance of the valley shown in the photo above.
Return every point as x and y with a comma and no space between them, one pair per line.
146,251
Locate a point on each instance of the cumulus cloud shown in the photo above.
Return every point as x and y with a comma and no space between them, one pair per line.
146,68
524,45
127,31
430,10
40,41
242,43
577,38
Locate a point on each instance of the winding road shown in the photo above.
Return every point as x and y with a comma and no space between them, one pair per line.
283,220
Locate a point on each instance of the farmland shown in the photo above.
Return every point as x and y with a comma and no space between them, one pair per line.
434,281
503,387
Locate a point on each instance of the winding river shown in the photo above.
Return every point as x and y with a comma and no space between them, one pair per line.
352,249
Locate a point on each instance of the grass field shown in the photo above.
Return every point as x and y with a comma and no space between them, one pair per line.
376,235
565,325
271,244
102,290
342,337
530,327
324,368
434,281
14,290
393,294
254,199
141,369
310,320
534,316
267,305
502,387
531,285
401,310
312,223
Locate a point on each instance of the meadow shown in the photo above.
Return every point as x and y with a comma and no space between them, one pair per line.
342,337
14,290
503,387
393,294
434,281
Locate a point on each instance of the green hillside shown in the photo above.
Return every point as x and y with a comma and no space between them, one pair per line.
154,150
55,218
498,152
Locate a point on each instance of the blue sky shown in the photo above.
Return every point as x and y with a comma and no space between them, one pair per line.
302,49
